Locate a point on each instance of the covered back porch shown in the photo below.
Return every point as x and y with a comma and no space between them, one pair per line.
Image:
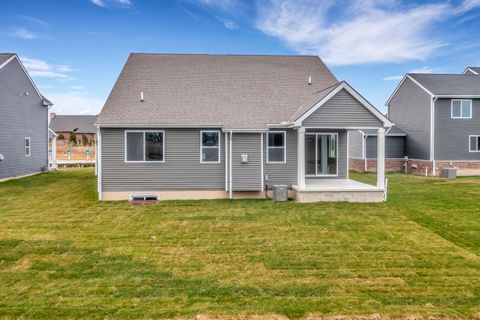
323,169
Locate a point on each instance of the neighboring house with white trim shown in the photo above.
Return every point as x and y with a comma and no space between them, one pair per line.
440,114
24,134
230,126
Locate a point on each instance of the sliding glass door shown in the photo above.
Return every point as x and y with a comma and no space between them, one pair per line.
321,154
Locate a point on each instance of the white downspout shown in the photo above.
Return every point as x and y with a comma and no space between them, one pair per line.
230,192
226,161
432,135
262,184
99,162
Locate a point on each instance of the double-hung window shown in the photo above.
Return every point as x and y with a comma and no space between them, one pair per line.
461,109
210,146
276,149
144,146
474,143
27,147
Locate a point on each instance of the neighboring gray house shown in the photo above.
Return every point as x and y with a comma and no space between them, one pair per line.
219,126
472,71
24,121
440,113
363,150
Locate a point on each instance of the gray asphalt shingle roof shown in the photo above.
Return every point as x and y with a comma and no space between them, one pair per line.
68,123
475,69
449,84
5,56
234,91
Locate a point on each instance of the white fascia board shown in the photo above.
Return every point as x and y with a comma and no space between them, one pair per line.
459,96
344,85
159,125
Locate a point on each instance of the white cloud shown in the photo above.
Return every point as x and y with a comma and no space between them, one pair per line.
74,103
34,20
22,33
418,70
219,4
112,3
371,31
40,68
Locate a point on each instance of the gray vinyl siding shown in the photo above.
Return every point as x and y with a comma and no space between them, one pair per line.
342,110
342,154
283,173
409,109
355,143
394,147
181,170
21,116
451,135
246,176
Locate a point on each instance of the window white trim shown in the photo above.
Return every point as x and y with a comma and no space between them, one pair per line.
210,147
143,150
29,147
461,106
316,134
477,138
284,147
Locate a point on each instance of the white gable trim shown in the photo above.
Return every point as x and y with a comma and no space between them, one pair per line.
471,70
344,85
401,83
25,71
6,62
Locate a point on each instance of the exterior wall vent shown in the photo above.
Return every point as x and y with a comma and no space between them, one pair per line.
144,198
309,80
141,96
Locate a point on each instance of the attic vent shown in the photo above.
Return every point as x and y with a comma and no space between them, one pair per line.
309,80
141,97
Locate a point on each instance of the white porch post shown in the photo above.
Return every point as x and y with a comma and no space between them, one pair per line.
301,158
381,158
54,152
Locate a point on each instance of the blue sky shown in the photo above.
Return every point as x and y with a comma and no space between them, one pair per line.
75,49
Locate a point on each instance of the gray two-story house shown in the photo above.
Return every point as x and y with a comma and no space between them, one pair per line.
24,133
230,126
440,114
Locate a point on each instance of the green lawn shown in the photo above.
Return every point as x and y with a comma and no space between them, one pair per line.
63,254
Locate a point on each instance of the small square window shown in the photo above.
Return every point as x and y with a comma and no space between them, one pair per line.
474,145
461,109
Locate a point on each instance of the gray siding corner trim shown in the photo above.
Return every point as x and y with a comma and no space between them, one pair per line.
410,109
342,111
452,135
22,116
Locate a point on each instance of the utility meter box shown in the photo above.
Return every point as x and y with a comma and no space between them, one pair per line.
244,158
